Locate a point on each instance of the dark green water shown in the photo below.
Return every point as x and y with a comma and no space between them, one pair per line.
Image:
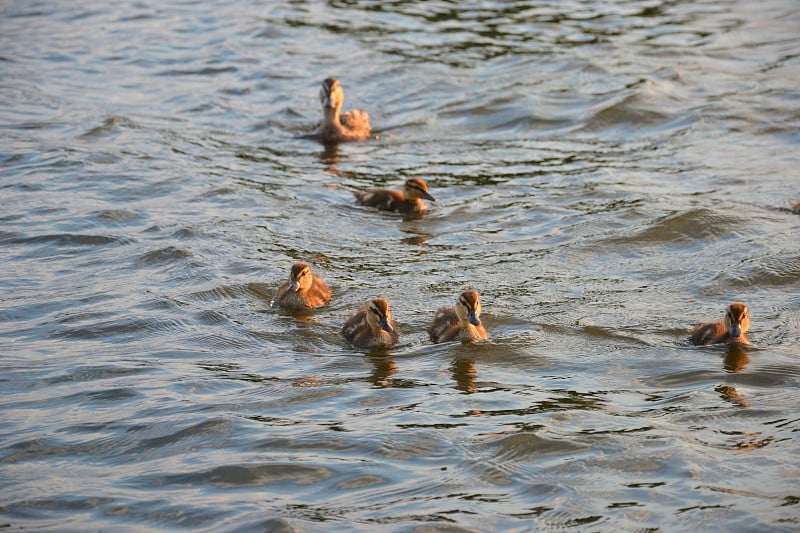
608,175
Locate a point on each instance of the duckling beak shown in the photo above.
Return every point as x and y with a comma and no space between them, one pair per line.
293,286
736,329
428,197
327,103
384,324
474,320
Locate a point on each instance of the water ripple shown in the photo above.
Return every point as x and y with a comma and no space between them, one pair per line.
607,176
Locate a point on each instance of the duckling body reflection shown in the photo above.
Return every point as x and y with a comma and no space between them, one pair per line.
729,330
371,325
303,291
338,126
461,322
407,201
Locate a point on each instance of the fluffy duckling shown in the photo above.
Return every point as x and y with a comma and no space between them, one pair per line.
371,325
337,126
461,322
407,201
729,330
303,290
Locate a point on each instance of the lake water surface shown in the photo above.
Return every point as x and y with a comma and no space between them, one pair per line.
608,174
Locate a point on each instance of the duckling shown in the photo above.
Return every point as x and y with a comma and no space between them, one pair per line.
729,330
303,290
371,325
407,201
795,208
461,322
337,126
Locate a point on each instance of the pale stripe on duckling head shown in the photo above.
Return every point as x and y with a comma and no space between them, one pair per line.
469,307
379,314
737,319
416,188
331,94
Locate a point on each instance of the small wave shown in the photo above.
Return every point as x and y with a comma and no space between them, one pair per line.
225,292
72,239
110,125
116,216
169,254
686,227
207,71
221,341
248,475
99,398
92,373
123,327
526,446
207,429
775,271
650,105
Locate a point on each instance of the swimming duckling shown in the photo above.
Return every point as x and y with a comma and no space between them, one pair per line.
371,325
337,126
303,290
407,201
461,322
795,208
731,329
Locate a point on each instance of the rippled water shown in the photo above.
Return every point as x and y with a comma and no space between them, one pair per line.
608,174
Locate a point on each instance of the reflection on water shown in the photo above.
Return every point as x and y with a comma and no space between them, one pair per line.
383,368
330,157
608,174
419,237
736,358
464,374
731,394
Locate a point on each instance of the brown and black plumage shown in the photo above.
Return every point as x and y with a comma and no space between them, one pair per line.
303,290
371,325
338,126
406,201
731,329
461,322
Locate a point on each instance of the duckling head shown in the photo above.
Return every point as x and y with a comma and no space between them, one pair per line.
468,308
300,278
737,319
378,315
331,96
415,188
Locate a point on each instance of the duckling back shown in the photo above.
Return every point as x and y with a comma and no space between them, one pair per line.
461,322
446,326
385,200
708,333
407,201
731,329
356,123
371,325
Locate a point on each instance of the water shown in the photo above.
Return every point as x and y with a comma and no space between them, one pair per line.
608,175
